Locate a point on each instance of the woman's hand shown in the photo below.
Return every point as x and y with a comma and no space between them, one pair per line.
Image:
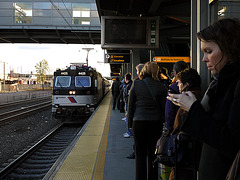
184,100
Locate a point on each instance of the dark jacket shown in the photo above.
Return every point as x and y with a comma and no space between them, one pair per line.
219,127
171,110
116,87
127,91
181,114
189,165
141,105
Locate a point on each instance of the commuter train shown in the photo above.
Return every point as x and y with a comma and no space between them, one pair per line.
77,91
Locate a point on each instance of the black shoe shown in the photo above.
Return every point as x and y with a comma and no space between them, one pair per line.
131,156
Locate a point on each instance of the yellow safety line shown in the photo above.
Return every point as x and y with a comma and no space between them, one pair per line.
99,170
80,163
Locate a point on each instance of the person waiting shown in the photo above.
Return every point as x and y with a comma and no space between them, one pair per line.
145,115
115,91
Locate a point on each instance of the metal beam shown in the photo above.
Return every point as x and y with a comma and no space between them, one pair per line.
5,40
90,37
28,36
60,36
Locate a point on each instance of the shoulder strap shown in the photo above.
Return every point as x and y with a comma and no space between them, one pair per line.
153,97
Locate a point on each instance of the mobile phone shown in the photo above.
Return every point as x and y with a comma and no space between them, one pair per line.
172,91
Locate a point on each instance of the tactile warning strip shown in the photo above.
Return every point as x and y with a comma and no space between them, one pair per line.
80,163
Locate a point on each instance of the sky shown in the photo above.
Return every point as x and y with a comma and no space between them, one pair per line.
21,58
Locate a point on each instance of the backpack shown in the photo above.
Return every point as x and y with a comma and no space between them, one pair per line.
173,149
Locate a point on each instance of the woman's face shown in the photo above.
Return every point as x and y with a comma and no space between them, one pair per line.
212,57
174,73
125,79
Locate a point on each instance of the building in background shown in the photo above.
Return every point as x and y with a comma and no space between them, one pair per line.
50,21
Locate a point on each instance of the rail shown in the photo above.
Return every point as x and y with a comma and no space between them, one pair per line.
30,165
20,112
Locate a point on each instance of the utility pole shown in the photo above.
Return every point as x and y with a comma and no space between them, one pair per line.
87,49
4,76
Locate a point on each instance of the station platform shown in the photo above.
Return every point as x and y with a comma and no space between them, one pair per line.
100,150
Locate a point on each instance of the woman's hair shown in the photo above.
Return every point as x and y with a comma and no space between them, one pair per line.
150,69
128,76
189,76
226,34
179,66
139,67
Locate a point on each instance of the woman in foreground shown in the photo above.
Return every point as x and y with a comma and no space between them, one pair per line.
216,119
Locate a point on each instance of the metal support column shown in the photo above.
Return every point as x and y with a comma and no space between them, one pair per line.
135,61
199,20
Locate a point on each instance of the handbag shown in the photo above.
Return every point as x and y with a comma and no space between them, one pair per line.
173,149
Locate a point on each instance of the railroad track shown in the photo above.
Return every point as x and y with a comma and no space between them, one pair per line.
37,161
25,109
25,101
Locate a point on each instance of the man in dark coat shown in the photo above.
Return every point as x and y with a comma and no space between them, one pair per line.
115,91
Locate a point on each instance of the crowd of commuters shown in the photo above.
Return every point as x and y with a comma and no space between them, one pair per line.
211,119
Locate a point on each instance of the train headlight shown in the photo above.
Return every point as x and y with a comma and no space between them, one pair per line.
56,105
72,92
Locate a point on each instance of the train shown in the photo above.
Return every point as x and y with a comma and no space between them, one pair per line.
77,91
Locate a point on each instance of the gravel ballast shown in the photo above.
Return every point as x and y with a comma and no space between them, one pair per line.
16,135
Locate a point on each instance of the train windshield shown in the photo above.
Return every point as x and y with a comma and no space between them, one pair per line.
62,81
83,81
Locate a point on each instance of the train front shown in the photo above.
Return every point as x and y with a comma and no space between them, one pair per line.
74,91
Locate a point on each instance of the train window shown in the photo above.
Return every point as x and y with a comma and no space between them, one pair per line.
83,81
63,81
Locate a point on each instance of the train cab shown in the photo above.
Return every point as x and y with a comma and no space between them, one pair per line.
77,90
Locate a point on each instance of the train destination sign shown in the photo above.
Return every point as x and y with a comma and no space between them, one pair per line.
167,59
118,58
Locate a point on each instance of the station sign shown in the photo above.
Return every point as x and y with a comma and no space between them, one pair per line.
117,58
115,74
172,59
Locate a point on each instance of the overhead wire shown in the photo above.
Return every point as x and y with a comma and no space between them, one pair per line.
58,10
90,36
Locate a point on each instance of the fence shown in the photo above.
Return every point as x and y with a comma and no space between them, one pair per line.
22,87
23,95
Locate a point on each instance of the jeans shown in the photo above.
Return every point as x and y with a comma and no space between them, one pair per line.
129,131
